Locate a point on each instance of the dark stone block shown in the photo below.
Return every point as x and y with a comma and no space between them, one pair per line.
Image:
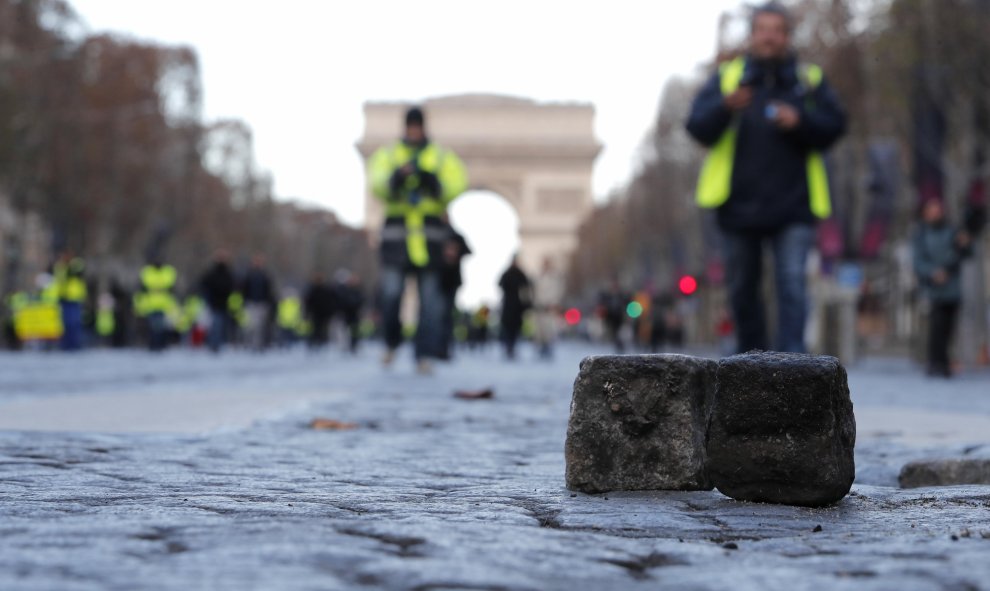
782,430
638,423
952,472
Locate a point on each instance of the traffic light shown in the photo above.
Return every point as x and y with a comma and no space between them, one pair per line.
572,316
634,310
688,285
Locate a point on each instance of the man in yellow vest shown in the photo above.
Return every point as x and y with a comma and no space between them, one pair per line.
69,272
415,179
766,118
157,301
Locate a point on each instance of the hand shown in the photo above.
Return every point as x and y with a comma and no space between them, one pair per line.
940,277
429,183
398,179
739,100
787,117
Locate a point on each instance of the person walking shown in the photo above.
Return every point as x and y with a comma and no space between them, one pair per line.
516,299
157,301
217,285
69,273
613,303
766,118
350,301
259,303
320,304
416,180
939,249
454,250
548,292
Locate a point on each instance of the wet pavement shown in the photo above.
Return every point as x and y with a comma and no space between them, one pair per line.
220,483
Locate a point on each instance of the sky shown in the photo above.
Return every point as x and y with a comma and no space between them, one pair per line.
299,71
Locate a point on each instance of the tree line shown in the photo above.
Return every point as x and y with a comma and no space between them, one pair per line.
103,142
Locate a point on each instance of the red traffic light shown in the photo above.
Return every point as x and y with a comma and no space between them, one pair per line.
572,316
688,285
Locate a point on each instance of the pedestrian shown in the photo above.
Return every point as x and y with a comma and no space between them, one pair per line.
290,318
766,118
157,301
939,249
320,304
259,303
659,305
455,248
416,179
478,330
217,286
350,301
613,303
69,273
516,299
548,292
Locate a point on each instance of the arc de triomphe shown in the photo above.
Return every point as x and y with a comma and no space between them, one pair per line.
538,157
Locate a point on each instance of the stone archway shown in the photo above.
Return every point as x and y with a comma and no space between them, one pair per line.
538,156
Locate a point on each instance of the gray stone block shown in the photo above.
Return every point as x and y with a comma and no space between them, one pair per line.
782,430
638,423
949,472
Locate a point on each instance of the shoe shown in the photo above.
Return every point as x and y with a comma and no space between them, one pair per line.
388,358
424,367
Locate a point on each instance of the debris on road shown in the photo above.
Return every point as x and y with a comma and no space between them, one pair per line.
321,424
484,394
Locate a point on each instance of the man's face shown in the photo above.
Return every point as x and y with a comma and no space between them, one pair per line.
770,37
933,211
415,133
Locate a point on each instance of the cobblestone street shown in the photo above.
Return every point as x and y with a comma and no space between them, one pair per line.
127,471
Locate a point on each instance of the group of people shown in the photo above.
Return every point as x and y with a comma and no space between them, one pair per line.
766,118
219,308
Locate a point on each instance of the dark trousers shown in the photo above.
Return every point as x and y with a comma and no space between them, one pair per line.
941,325
157,331
72,326
430,340
744,264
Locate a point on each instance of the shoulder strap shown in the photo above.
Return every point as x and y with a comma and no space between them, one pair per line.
730,75
811,75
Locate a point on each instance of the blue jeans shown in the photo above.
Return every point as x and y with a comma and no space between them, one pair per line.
157,331
217,334
72,326
430,338
744,264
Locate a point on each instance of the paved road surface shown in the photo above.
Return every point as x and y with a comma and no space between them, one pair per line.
127,471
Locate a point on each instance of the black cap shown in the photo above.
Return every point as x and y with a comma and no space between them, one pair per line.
414,116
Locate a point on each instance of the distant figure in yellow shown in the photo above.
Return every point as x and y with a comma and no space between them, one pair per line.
416,180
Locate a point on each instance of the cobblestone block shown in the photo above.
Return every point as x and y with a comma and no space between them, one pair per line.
638,422
782,430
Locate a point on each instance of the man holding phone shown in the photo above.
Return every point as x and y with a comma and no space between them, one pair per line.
766,118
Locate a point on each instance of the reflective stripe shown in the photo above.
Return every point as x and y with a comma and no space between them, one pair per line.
715,180
432,233
821,204
419,255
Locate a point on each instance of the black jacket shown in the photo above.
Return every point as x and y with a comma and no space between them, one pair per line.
515,296
769,181
217,285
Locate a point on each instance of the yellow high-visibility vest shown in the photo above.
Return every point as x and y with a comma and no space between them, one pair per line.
69,281
289,313
715,181
447,167
157,283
